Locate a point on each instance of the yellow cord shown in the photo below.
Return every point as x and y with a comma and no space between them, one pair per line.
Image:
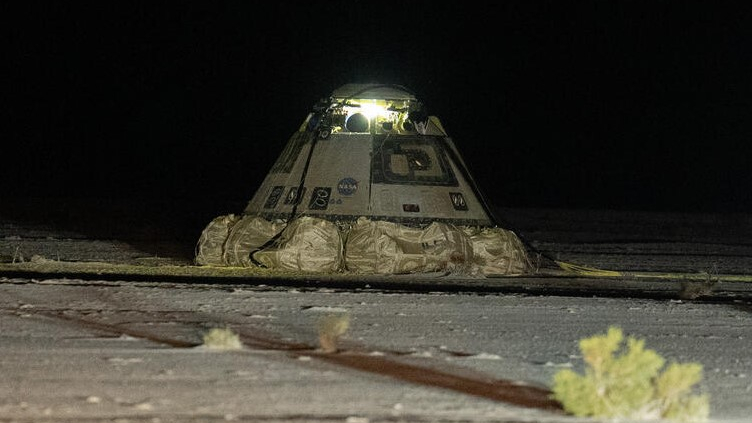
579,270
587,271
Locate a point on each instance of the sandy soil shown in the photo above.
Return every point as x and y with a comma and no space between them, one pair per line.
120,350
154,231
85,351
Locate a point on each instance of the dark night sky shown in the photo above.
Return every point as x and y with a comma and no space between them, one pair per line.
604,104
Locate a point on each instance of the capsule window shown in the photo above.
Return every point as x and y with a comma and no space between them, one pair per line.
357,122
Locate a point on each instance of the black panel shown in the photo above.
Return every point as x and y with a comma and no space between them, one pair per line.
290,155
320,198
293,197
273,199
410,160
411,208
458,201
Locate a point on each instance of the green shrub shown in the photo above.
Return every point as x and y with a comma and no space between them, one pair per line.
626,383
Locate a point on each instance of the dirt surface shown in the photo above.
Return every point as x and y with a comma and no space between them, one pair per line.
73,350
166,231
114,347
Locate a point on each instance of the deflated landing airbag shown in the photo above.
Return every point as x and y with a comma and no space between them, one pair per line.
310,244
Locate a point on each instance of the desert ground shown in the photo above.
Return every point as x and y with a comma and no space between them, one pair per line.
85,346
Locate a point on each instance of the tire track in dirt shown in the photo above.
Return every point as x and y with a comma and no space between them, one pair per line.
359,358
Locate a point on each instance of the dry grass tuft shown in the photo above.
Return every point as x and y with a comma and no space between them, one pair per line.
222,339
331,327
691,290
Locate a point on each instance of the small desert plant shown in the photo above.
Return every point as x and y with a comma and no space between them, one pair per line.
691,290
628,383
330,328
222,339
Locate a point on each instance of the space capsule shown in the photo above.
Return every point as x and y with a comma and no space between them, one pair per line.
371,184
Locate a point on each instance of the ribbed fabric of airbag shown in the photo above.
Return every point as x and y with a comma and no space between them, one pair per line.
498,251
248,234
210,246
390,248
308,244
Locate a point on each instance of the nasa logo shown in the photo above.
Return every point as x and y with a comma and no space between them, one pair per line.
347,186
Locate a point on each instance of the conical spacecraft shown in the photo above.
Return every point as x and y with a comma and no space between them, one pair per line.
369,183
